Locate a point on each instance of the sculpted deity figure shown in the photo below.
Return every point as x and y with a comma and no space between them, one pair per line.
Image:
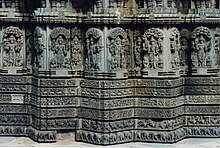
12,44
115,50
183,51
60,48
152,48
76,48
201,49
118,48
175,47
93,59
39,47
94,54
153,53
201,46
138,50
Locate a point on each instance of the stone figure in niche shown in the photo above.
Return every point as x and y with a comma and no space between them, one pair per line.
201,47
94,48
60,48
184,47
216,50
175,47
39,47
118,48
29,47
76,47
138,49
152,48
12,45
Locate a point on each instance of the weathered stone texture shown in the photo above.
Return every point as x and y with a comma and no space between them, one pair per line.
110,71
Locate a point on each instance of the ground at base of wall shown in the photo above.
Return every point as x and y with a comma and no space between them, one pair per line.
190,142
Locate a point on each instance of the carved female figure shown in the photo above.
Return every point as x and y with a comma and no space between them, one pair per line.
201,45
61,51
152,48
12,52
94,54
138,51
76,51
153,54
201,48
116,52
183,51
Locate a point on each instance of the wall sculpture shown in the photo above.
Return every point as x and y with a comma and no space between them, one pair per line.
94,48
110,71
201,47
118,49
12,44
153,49
60,48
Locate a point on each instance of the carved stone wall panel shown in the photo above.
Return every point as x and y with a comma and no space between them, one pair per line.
13,130
160,124
205,51
59,101
106,127
105,139
94,57
59,51
162,137
159,92
159,102
53,113
207,81
199,90
13,49
205,110
153,48
12,120
202,99
159,83
119,51
41,136
106,115
40,48
203,120
76,49
203,132
55,124
159,113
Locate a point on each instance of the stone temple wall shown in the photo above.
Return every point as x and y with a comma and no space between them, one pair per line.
110,71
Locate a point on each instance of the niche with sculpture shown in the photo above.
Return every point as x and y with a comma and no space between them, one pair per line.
153,49
184,47
39,47
12,46
76,48
201,45
60,48
94,49
118,46
175,47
